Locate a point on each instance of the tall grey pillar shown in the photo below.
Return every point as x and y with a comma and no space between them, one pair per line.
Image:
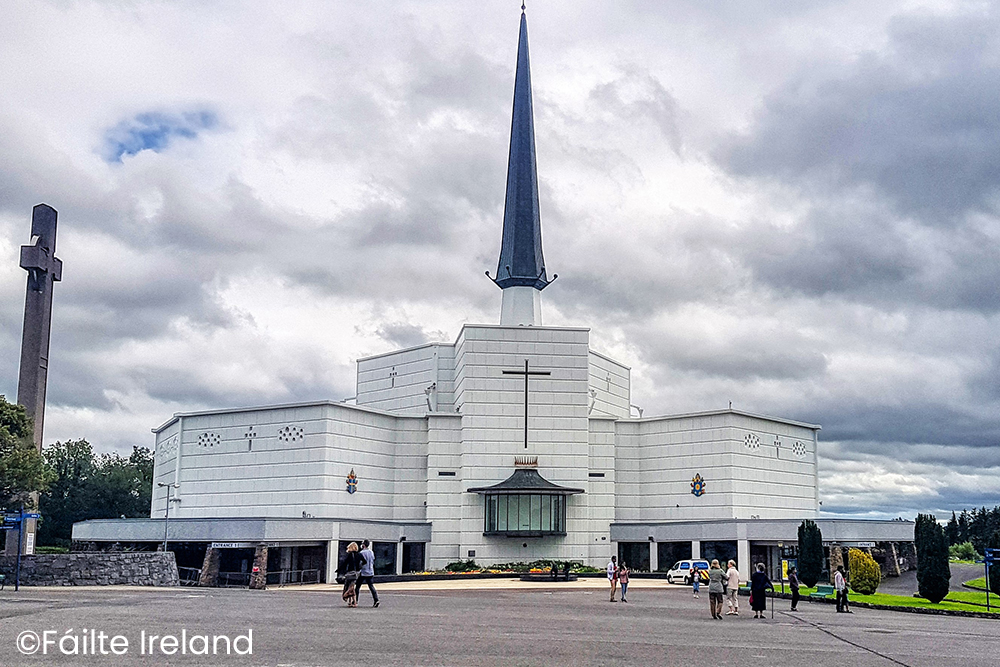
44,270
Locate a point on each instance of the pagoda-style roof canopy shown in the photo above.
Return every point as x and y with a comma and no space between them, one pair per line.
526,481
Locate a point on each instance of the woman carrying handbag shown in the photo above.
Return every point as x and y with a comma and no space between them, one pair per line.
349,567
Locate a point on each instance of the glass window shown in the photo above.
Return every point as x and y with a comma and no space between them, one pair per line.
491,513
502,513
530,514
525,514
536,512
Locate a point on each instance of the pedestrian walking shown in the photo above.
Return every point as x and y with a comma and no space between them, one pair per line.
695,579
350,566
840,586
367,571
613,576
733,589
793,583
623,579
759,583
716,576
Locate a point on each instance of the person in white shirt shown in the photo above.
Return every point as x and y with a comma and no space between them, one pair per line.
613,576
840,585
733,589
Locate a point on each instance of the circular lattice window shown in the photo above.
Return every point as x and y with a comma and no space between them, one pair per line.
751,441
291,433
209,439
799,449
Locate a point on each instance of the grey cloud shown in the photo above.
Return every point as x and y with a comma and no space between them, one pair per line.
406,334
921,422
749,350
636,96
919,124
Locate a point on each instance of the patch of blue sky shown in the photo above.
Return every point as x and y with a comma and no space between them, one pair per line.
154,131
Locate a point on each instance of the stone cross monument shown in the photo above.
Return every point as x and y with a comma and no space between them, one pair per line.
44,269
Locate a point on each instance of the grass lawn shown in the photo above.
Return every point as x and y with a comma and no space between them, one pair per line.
954,600
977,583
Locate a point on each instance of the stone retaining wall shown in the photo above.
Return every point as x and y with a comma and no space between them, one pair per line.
98,568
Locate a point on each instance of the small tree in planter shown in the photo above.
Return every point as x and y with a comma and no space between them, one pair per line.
810,553
866,575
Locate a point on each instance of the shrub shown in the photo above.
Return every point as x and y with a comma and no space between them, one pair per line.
866,575
810,553
463,566
963,551
933,573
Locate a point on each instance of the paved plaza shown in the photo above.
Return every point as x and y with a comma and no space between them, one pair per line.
487,623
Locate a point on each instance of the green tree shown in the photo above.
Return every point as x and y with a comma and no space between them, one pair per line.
89,486
123,486
963,551
810,553
952,530
865,573
963,527
22,471
69,498
933,571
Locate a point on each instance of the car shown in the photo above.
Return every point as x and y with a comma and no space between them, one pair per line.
680,573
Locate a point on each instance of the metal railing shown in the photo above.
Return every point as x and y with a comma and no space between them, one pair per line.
234,579
189,576
291,577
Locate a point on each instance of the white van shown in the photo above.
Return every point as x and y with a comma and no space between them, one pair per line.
680,573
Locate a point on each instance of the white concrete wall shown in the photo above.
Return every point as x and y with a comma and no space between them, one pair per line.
610,385
492,409
397,381
601,490
657,459
778,477
298,462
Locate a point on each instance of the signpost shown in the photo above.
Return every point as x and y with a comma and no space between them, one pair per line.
988,556
16,521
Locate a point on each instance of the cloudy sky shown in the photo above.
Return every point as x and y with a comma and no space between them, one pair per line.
791,206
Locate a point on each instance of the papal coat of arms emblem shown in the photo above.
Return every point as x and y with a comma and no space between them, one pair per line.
352,482
697,486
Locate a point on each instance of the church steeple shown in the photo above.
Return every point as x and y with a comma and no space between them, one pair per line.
521,269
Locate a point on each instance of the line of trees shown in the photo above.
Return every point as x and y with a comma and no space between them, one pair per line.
92,486
977,526
70,482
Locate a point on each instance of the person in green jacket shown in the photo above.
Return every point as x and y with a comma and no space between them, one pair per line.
715,588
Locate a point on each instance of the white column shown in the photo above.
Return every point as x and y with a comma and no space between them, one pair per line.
743,558
695,549
654,557
331,562
399,557
521,306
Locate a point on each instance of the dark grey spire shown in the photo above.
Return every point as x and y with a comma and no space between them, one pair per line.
521,262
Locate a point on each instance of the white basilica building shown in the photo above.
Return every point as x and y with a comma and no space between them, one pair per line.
514,443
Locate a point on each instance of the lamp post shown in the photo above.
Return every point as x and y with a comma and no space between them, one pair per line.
166,516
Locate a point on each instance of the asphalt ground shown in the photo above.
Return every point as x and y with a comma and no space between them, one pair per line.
482,623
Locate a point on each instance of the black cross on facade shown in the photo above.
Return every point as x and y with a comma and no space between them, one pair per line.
392,377
250,435
526,373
